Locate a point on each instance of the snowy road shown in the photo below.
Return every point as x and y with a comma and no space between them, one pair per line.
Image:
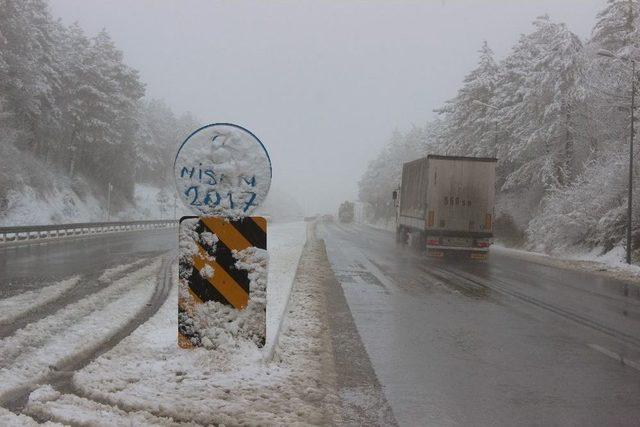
90,313
26,267
64,303
505,342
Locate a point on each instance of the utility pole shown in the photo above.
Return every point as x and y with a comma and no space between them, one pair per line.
495,141
109,188
629,205
609,54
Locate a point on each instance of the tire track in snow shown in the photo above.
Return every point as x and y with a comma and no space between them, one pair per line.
87,286
35,334
62,391
15,386
15,307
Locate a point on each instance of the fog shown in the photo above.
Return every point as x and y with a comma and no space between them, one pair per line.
323,84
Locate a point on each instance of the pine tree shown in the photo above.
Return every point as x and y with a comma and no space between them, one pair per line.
30,79
616,25
536,96
469,119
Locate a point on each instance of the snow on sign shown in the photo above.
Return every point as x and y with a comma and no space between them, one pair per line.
223,172
222,279
222,169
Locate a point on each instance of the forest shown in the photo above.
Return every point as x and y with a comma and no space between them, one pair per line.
73,113
556,113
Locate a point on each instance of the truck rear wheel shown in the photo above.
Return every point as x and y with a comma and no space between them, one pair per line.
401,235
418,241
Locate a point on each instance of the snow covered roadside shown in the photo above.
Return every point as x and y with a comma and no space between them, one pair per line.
284,244
19,305
47,402
113,273
608,265
8,418
148,372
35,350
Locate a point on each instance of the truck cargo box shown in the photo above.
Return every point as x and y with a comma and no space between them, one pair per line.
448,196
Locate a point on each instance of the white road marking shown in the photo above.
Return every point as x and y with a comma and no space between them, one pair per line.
612,354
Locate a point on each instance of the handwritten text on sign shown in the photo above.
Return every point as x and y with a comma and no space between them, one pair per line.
222,169
205,192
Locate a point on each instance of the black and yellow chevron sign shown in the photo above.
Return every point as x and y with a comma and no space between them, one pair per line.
225,284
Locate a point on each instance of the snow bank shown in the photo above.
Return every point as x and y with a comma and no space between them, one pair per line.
61,205
33,351
8,418
148,372
111,273
610,264
19,305
71,409
284,244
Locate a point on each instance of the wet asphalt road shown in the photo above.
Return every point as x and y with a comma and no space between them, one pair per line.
503,342
28,267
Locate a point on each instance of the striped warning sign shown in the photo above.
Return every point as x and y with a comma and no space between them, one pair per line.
209,247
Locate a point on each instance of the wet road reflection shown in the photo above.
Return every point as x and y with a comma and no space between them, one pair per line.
502,342
27,267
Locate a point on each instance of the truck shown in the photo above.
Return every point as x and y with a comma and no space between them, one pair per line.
346,212
445,205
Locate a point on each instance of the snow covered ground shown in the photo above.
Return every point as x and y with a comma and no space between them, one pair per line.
36,350
610,264
147,380
284,243
18,305
8,418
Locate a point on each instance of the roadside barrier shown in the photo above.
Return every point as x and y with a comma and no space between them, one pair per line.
57,231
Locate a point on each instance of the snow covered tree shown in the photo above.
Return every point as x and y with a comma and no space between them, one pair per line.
383,173
563,114
583,214
616,25
536,98
30,72
469,119
70,102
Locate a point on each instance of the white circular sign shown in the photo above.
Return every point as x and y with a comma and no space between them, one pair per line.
222,169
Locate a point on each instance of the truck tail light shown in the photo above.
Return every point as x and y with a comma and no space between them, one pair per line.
431,218
487,222
483,244
433,242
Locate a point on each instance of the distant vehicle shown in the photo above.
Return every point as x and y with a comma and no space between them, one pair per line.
445,205
327,218
346,212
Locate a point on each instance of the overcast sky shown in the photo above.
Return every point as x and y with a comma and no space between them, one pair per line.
321,83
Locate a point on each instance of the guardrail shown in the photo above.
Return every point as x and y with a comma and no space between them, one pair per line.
56,231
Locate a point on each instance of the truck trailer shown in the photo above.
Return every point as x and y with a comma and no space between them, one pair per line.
445,205
346,212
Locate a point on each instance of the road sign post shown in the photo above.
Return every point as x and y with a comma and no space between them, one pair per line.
222,172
